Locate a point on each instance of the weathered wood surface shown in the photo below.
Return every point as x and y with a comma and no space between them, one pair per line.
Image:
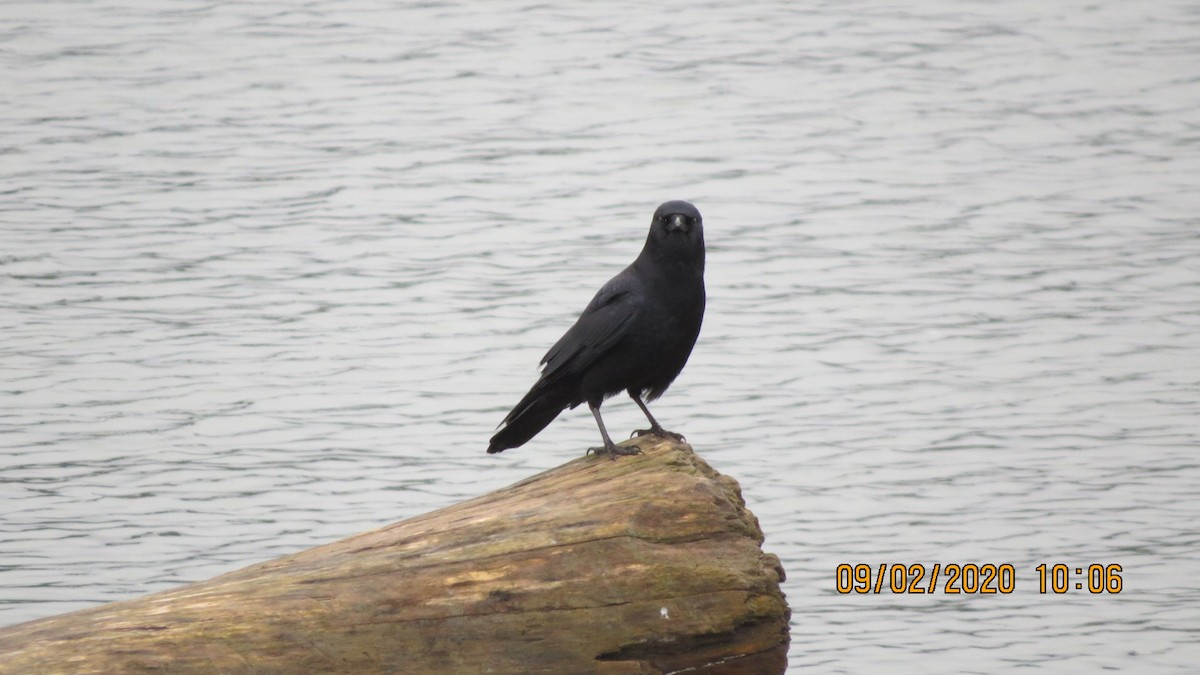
647,564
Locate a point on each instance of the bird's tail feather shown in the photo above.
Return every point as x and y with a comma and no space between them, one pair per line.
537,410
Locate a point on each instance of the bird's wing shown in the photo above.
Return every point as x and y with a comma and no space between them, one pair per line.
602,324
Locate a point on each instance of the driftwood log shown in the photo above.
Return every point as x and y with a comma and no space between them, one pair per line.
647,564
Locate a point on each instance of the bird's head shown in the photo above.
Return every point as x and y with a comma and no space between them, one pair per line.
677,234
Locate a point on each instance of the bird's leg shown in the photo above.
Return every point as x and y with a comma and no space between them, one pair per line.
611,448
655,428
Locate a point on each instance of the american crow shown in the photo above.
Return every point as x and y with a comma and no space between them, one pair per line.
634,336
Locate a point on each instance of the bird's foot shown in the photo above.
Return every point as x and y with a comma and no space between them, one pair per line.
658,431
613,450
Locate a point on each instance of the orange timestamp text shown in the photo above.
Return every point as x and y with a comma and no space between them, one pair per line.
972,578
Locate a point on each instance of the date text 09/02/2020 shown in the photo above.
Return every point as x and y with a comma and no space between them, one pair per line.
972,578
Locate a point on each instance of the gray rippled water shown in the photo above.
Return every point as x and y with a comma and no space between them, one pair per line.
271,273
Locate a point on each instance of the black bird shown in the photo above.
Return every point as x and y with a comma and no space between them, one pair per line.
634,336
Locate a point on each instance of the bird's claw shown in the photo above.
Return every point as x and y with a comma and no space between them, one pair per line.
615,450
658,431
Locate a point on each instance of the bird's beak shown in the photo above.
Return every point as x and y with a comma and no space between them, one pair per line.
677,224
